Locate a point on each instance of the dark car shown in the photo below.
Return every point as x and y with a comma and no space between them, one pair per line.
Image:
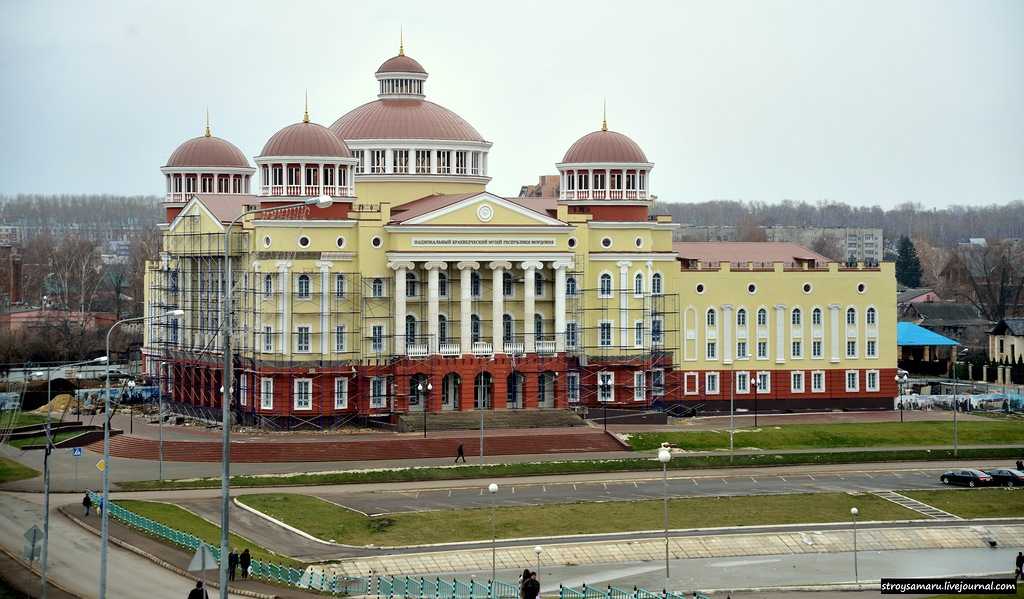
968,478
1006,477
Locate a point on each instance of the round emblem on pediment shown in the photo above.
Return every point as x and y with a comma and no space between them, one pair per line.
485,213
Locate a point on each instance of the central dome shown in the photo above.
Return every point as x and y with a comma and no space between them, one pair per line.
305,139
604,147
404,119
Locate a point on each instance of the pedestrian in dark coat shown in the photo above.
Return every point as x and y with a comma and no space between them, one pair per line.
1020,465
232,564
522,583
199,592
244,560
531,588
460,454
1020,566
87,503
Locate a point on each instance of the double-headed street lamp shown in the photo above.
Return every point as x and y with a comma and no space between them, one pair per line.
901,386
105,515
426,401
665,456
753,385
323,201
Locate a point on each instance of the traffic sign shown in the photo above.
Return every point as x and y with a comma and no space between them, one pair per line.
32,538
203,560
76,451
33,535
101,465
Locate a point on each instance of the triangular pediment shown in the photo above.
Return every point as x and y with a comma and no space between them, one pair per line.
483,209
195,209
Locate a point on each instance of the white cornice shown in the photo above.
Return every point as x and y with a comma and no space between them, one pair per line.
420,178
604,165
481,229
454,256
306,224
615,257
336,160
415,144
632,225
606,202
208,170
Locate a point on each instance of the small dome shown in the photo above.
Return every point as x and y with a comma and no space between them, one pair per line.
305,139
208,151
605,147
404,119
401,64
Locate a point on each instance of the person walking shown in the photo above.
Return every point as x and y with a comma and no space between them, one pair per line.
460,454
531,588
1019,574
1020,465
522,583
244,561
86,503
199,592
99,507
232,564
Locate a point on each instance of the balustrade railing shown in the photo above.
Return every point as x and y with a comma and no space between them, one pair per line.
450,349
483,348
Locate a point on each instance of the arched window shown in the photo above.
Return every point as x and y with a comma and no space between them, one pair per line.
762,317
656,284
474,327
339,285
851,316
474,284
442,328
538,325
506,284
377,288
795,317
605,286
816,317
638,284
268,285
538,284
410,284
570,285
711,317
871,317
741,317
442,284
410,329
303,290
507,328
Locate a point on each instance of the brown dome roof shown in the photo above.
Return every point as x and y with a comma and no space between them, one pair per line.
401,64
604,146
305,139
207,151
404,119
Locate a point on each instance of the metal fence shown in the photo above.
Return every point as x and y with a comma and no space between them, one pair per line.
404,587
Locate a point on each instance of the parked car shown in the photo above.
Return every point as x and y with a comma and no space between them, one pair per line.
1006,477
968,478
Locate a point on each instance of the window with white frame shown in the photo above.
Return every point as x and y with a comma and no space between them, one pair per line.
359,155
378,392
871,380
658,381
266,393
741,318
377,338
797,349
816,317
339,338
302,339
605,333
572,383
639,386
377,161
762,317
410,284
638,284
423,162
638,333
690,383
339,285
377,288
796,382
268,339
711,317
711,383
712,350
401,161
852,381
871,317
571,334
851,316
762,350
444,162
795,317
817,347
570,286
818,381
764,382
656,331
741,350
341,393
871,349
605,285
605,387
506,285
851,348
656,284
243,389
268,285
460,163
303,394
742,382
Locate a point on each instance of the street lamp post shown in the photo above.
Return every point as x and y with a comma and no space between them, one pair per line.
732,414
493,490
664,456
105,516
538,550
856,574
426,403
901,386
956,436
753,385
228,383
160,416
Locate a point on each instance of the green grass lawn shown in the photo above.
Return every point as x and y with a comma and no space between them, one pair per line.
41,439
636,464
11,471
9,418
974,503
820,436
186,521
329,521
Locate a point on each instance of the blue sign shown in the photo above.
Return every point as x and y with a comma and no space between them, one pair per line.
76,451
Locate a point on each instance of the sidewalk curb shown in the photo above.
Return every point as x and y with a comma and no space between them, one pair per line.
864,585
35,571
156,560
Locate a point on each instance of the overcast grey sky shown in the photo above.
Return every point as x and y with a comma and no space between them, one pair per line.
867,102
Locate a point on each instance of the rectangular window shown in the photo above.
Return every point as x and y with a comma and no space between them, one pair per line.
631,181
741,350
742,382
872,348
852,381
764,382
377,338
303,399
423,162
762,350
605,386
871,380
401,158
341,393
797,349
572,382
475,164
712,350
851,349
302,339
444,162
818,381
605,339
460,163
268,339
571,335
658,381
598,180
816,348
339,285
377,158
378,392
639,386
615,181
711,383
638,333
339,338
243,389
656,331
796,382
266,393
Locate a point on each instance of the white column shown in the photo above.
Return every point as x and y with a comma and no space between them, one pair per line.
529,305
433,162
727,342
389,161
320,180
624,302
286,307
302,177
560,268
498,302
433,299
780,333
833,317
325,276
466,270
400,269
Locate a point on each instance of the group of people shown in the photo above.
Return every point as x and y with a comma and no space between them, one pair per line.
529,586
235,560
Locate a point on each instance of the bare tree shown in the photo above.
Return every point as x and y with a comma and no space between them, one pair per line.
78,272
748,230
991,277
829,246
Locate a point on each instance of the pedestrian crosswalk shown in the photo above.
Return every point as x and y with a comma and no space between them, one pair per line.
918,506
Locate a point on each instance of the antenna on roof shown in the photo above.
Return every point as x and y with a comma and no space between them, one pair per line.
401,41
604,118
207,121
305,113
